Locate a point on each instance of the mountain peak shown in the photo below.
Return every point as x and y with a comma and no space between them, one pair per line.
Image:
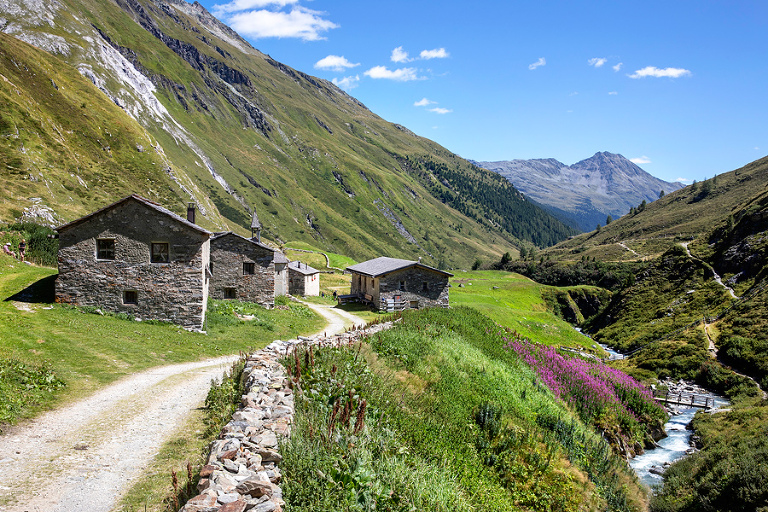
587,191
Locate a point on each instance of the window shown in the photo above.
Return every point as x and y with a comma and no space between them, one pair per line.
424,286
130,297
105,248
230,293
249,268
401,286
160,252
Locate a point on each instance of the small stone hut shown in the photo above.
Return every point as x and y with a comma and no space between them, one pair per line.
136,257
246,269
393,284
303,279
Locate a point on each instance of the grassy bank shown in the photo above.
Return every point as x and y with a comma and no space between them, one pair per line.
436,414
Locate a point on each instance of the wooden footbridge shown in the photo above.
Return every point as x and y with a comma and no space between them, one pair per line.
685,400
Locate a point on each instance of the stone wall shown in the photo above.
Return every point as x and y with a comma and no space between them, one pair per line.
422,288
243,467
175,291
228,253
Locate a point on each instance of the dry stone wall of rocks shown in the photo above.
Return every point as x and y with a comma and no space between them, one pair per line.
242,472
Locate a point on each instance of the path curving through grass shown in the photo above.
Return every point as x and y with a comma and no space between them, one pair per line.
84,456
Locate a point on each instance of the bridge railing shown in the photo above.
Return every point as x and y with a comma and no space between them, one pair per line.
686,399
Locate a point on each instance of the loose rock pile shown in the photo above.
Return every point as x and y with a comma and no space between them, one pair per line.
242,471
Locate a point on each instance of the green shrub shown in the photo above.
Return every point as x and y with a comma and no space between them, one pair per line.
42,246
23,385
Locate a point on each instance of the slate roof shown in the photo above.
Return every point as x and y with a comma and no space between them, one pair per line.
146,202
279,256
302,268
381,266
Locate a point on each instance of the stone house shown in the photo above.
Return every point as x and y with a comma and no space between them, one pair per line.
303,279
136,257
392,284
246,269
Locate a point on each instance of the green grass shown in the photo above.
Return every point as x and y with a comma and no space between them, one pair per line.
516,302
88,350
425,383
337,260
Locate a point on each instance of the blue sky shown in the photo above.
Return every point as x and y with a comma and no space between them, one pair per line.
680,87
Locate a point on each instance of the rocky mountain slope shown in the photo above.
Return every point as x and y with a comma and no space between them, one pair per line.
681,216
586,192
168,102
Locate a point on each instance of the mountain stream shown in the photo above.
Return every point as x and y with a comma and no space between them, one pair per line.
650,466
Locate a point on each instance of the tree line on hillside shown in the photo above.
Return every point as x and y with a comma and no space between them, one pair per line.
489,199
611,276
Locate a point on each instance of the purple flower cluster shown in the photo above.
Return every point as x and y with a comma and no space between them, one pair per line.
591,387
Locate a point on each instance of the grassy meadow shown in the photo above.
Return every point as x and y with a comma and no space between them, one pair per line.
515,302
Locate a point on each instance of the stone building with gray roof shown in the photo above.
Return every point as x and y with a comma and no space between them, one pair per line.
303,279
136,257
394,284
246,269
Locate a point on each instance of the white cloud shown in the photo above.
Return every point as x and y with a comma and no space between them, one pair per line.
541,62
640,160
597,62
400,75
440,110
424,102
617,67
660,73
612,93
220,10
682,180
347,83
300,23
334,63
437,53
399,55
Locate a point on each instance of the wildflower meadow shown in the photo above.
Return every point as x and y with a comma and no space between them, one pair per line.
600,394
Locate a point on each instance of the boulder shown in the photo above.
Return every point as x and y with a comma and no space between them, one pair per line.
255,487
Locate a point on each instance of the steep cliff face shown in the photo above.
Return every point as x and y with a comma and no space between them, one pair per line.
587,191
232,129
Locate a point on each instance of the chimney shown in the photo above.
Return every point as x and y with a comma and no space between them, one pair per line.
191,212
419,259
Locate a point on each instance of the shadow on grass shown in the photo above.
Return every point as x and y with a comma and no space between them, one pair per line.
353,307
42,291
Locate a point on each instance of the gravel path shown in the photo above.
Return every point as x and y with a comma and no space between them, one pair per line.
84,456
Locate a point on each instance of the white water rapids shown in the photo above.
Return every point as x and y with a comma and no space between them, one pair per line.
676,445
